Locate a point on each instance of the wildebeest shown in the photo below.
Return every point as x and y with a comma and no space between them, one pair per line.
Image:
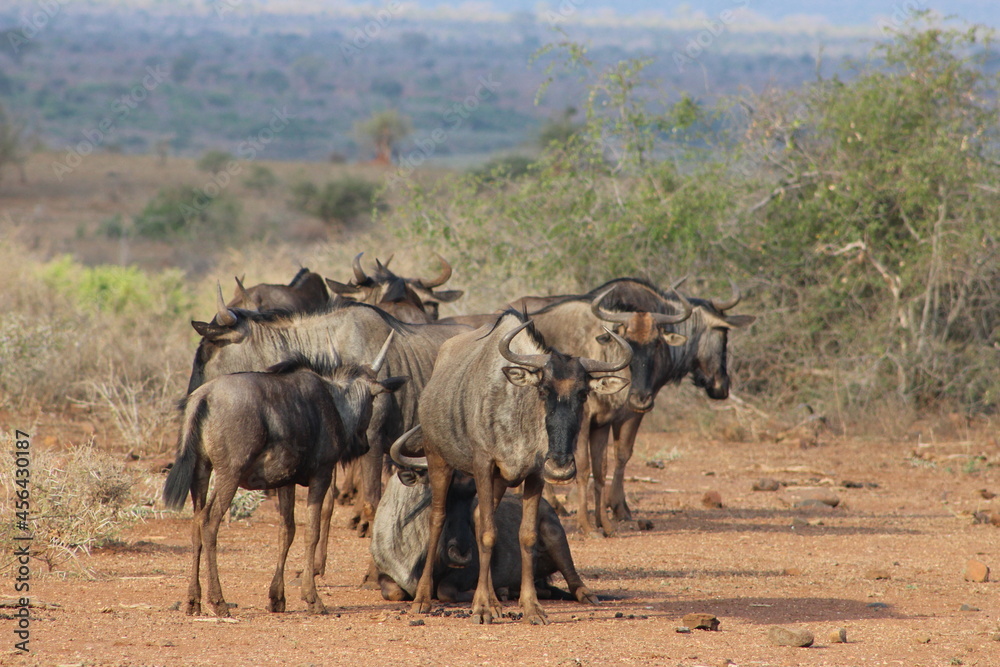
702,357
274,429
306,293
506,409
412,300
240,340
402,528
575,325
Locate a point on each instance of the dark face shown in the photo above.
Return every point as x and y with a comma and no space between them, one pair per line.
564,391
458,537
709,372
651,364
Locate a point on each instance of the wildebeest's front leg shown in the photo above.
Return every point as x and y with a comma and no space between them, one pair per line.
216,508
329,503
555,547
624,442
318,487
582,460
485,605
598,460
199,492
286,534
527,536
439,476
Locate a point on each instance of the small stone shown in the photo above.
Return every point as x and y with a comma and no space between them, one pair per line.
977,572
790,637
968,607
793,572
175,606
852,485
766,484
168,643
922,639
877,605
986,494
657,463
995,518
877,573
619,614
798,522
982,517
838,636
995,637
712,500
644,524
811,496
701,621
417,621
682,629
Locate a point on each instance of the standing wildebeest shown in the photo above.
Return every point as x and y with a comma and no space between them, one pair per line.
702,356
306,293
402,528
504,424
411,300
575,325
272,430
240,340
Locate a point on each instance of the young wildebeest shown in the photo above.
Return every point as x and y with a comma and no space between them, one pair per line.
270,430
504,424
402,527
306,293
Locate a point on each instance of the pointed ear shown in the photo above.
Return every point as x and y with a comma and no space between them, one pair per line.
674,339
217,333
522,377
447,295
389,385
608,384
740,321
349,291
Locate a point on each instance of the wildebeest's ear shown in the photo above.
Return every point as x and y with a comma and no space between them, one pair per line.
522,377
608,384
389,385
740,321
447,295
674,339
217,333
351,291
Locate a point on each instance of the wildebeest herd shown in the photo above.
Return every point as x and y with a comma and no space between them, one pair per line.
290,381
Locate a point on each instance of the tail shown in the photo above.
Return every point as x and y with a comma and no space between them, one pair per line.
178,484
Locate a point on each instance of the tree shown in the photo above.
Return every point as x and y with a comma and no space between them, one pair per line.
384,131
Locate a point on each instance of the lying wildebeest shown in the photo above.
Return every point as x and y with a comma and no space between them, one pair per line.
272,430
504,424
240,340
402,527
575,325
702,357
412,300
306,293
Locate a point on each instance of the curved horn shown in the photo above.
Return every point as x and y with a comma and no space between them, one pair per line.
380,359
595,366
225,317
733,300
677,284
529,360
442,276
359,273
401,459
595,308
686,310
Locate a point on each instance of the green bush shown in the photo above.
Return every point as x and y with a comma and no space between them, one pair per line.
187,211
214,161
260,179
346,200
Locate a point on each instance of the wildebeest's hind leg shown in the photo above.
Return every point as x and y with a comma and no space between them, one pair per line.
216,508
582,458
485,604
391,591
199,492
329,503
286,533
556,549
598,461
624,442
318,487
439,476
527,536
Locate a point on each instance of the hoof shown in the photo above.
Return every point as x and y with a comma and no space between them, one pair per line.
193,609
317,607
221,610
276,606
482,618
584,595
422,607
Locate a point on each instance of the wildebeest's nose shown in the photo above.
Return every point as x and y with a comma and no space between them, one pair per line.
558,474
457,557
640,402
718,389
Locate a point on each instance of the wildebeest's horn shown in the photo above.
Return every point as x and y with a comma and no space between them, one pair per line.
241,291
380,359
599,313
529,360
441,278
386,263
401,459
733,300
686,310
680,282
359,273
225,316
595,366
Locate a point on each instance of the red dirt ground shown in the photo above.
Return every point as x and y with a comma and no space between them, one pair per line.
755,563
